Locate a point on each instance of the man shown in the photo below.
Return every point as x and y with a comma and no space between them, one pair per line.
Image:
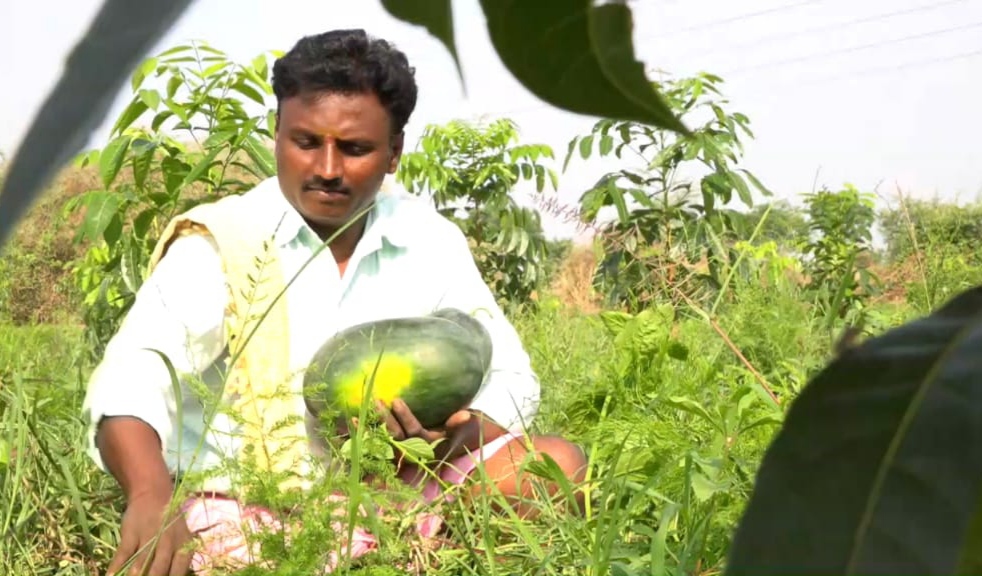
343,100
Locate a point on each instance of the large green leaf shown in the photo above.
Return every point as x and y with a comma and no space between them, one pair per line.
121,33
434,15
878,467
577,56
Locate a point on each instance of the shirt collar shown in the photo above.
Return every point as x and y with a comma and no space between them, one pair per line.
384,222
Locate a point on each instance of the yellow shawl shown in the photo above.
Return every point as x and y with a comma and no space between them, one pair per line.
258,382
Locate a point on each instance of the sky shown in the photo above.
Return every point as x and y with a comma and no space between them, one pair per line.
882,94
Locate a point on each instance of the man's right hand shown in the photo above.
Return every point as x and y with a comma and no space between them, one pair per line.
153,537
152,541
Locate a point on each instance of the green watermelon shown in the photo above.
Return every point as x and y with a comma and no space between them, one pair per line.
435,363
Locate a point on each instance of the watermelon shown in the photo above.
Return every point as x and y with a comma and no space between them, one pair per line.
435,363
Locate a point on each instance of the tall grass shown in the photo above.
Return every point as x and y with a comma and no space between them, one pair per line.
674,411
674,423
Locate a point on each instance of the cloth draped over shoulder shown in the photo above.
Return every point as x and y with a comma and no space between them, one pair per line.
257,388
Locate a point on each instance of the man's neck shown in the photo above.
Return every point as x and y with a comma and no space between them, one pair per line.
343,246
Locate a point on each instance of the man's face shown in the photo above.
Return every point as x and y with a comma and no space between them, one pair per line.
332,153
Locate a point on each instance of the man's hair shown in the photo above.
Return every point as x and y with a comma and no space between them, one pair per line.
348,62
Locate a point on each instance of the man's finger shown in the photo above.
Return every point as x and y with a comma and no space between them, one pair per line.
140,562
458,418
162,557
408,420
391,422
181,564
127,546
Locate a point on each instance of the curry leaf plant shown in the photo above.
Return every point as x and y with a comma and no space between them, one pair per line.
470,171
196,129
661,214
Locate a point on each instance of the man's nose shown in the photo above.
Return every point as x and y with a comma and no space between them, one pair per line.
330,165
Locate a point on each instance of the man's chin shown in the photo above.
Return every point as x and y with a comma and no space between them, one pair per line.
329,222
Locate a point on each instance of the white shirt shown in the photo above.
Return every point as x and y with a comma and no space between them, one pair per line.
410,261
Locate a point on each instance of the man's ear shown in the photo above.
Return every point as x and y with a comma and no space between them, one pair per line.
396,152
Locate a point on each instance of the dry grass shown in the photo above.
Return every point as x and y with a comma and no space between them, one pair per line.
37,261
573,284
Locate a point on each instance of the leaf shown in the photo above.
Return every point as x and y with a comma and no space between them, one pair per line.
434,15
575,56
141,165
200,168
151,98
100,208
612,29
249,92
98,66
113,230
616,196
585,145
692,407
878,466
614,321
757,184
141,224
703,488
606,144
742,190
112,158
261,156
136,108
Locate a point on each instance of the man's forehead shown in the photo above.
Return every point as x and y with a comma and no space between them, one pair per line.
334,112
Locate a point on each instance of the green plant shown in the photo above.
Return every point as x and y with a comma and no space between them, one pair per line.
841,223
149,175
470,172
664,221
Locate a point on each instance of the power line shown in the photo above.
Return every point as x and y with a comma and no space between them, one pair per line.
832,26
879,70
851,49
738,18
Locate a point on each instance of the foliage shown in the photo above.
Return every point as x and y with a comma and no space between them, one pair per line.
786,225
470,171
148,175
920,224
890,429
672,410
662,218
576,55
841,223
939,241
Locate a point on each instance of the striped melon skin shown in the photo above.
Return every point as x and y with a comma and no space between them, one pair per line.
435,363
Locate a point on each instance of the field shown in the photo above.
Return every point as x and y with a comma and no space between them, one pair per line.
674,410
670,350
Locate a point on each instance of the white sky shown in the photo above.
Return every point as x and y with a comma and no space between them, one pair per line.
836,90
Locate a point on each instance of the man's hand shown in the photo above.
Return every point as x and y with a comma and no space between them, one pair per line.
131,450
146,517
464,431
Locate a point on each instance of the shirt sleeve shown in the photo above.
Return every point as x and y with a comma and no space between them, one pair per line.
179,311
511,393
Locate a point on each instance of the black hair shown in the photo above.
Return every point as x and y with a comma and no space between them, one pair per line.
348,61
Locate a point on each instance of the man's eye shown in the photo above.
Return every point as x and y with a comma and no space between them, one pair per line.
356,149
307,143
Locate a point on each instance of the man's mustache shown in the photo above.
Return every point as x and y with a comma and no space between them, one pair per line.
326,185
